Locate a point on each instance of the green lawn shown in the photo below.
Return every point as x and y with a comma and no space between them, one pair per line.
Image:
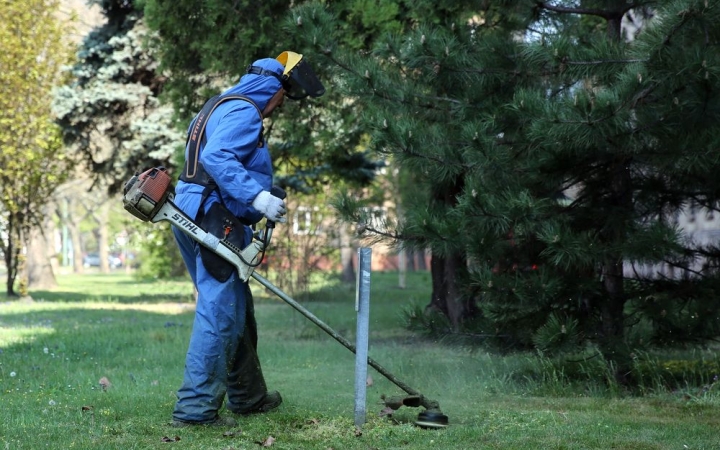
54,351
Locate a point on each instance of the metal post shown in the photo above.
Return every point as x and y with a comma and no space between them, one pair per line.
362,308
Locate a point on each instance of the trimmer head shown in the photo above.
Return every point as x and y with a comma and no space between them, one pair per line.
432,418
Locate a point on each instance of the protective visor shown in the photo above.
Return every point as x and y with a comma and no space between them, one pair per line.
298,79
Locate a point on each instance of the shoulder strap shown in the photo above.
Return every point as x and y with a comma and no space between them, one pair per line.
196,132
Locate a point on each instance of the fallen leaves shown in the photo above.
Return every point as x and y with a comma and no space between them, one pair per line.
104,383
387,411
268,442
170,439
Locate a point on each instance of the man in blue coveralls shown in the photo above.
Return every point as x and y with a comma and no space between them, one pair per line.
226,185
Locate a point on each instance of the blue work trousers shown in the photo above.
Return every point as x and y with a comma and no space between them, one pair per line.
222,356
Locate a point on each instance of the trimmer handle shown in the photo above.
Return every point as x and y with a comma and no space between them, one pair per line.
278,192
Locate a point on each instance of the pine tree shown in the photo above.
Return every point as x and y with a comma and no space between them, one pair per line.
415,96
614,138
550,154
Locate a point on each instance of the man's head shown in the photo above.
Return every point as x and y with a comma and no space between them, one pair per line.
296,76
292,75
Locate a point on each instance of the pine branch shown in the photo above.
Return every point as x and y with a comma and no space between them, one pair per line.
378,233
683,267
677,27
408,152
605,14
605,61
440,99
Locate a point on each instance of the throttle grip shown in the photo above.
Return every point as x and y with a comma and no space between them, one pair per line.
278,192
275,191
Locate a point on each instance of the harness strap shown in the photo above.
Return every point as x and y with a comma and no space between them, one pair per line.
194,172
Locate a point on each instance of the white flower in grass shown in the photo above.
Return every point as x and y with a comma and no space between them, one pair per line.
46,350
52,403
13,374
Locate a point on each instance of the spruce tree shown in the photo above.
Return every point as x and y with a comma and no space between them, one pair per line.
110,112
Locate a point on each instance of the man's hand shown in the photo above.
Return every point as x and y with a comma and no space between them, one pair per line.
272,207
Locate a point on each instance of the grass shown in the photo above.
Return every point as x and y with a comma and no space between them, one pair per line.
54,351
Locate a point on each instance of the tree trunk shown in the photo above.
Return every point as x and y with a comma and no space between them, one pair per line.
410,255
612,307
447,296
40,253
11,257
402,268
346,256
77,248
613,319
438,296
103,237
421,264
12,251
455,305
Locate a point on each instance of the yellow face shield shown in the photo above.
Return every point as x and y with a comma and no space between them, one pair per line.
298,79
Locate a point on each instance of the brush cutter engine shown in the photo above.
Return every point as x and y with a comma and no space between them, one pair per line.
144,194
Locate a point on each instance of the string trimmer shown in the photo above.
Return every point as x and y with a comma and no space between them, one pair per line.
148,196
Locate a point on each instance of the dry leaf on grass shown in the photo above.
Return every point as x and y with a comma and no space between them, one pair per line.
369,381
358,431
170,439
269,441
387,411
232,433
104,383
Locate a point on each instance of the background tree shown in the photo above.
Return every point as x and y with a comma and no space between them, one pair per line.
549,155
41,259
597,137
417,114
205,46
111,114
32,161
